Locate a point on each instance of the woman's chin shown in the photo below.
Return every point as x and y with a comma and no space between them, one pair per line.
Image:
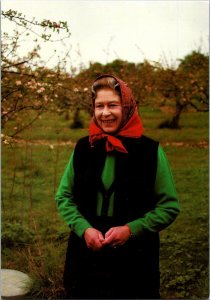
109,130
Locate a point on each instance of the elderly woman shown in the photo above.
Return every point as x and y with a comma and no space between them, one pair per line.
116,194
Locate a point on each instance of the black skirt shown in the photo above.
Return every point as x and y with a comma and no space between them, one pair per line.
130,271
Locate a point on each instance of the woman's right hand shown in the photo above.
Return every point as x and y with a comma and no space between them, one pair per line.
94,239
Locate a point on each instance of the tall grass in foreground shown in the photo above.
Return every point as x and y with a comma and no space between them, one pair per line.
34,237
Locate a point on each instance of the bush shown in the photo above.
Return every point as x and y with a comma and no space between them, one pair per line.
16,234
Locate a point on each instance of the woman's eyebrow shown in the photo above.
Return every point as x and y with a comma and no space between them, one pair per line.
111,100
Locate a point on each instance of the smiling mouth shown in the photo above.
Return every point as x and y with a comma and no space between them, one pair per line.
108,121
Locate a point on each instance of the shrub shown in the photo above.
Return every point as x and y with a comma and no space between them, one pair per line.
16,234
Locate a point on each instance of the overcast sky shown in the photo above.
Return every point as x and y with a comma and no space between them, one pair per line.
130,30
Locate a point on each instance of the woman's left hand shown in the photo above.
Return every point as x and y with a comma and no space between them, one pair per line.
117,236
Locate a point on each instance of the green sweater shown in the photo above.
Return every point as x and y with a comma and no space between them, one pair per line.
155,220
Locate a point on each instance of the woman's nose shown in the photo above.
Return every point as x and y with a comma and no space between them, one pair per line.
106,111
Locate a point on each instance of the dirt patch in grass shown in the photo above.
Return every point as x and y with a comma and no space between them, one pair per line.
43,142
200,144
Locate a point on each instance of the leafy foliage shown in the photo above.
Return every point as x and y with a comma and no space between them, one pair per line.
16,234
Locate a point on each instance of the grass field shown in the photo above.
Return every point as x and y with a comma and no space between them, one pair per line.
34,237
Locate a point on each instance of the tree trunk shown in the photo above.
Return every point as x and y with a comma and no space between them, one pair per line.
174,122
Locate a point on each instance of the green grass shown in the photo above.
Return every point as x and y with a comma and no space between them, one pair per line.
34,237
184,251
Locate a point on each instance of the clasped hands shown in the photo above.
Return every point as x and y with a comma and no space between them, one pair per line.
115,236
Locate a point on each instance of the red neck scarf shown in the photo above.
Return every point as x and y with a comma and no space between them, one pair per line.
131,123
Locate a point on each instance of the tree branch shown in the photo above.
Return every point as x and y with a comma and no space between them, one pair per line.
18,73
15,65
29,124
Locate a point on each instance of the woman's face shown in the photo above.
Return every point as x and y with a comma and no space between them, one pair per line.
108,110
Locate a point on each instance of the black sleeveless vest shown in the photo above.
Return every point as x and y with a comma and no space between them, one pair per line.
135,174
115,269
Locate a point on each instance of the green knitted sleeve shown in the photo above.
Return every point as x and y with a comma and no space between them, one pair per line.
65,202
167,207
